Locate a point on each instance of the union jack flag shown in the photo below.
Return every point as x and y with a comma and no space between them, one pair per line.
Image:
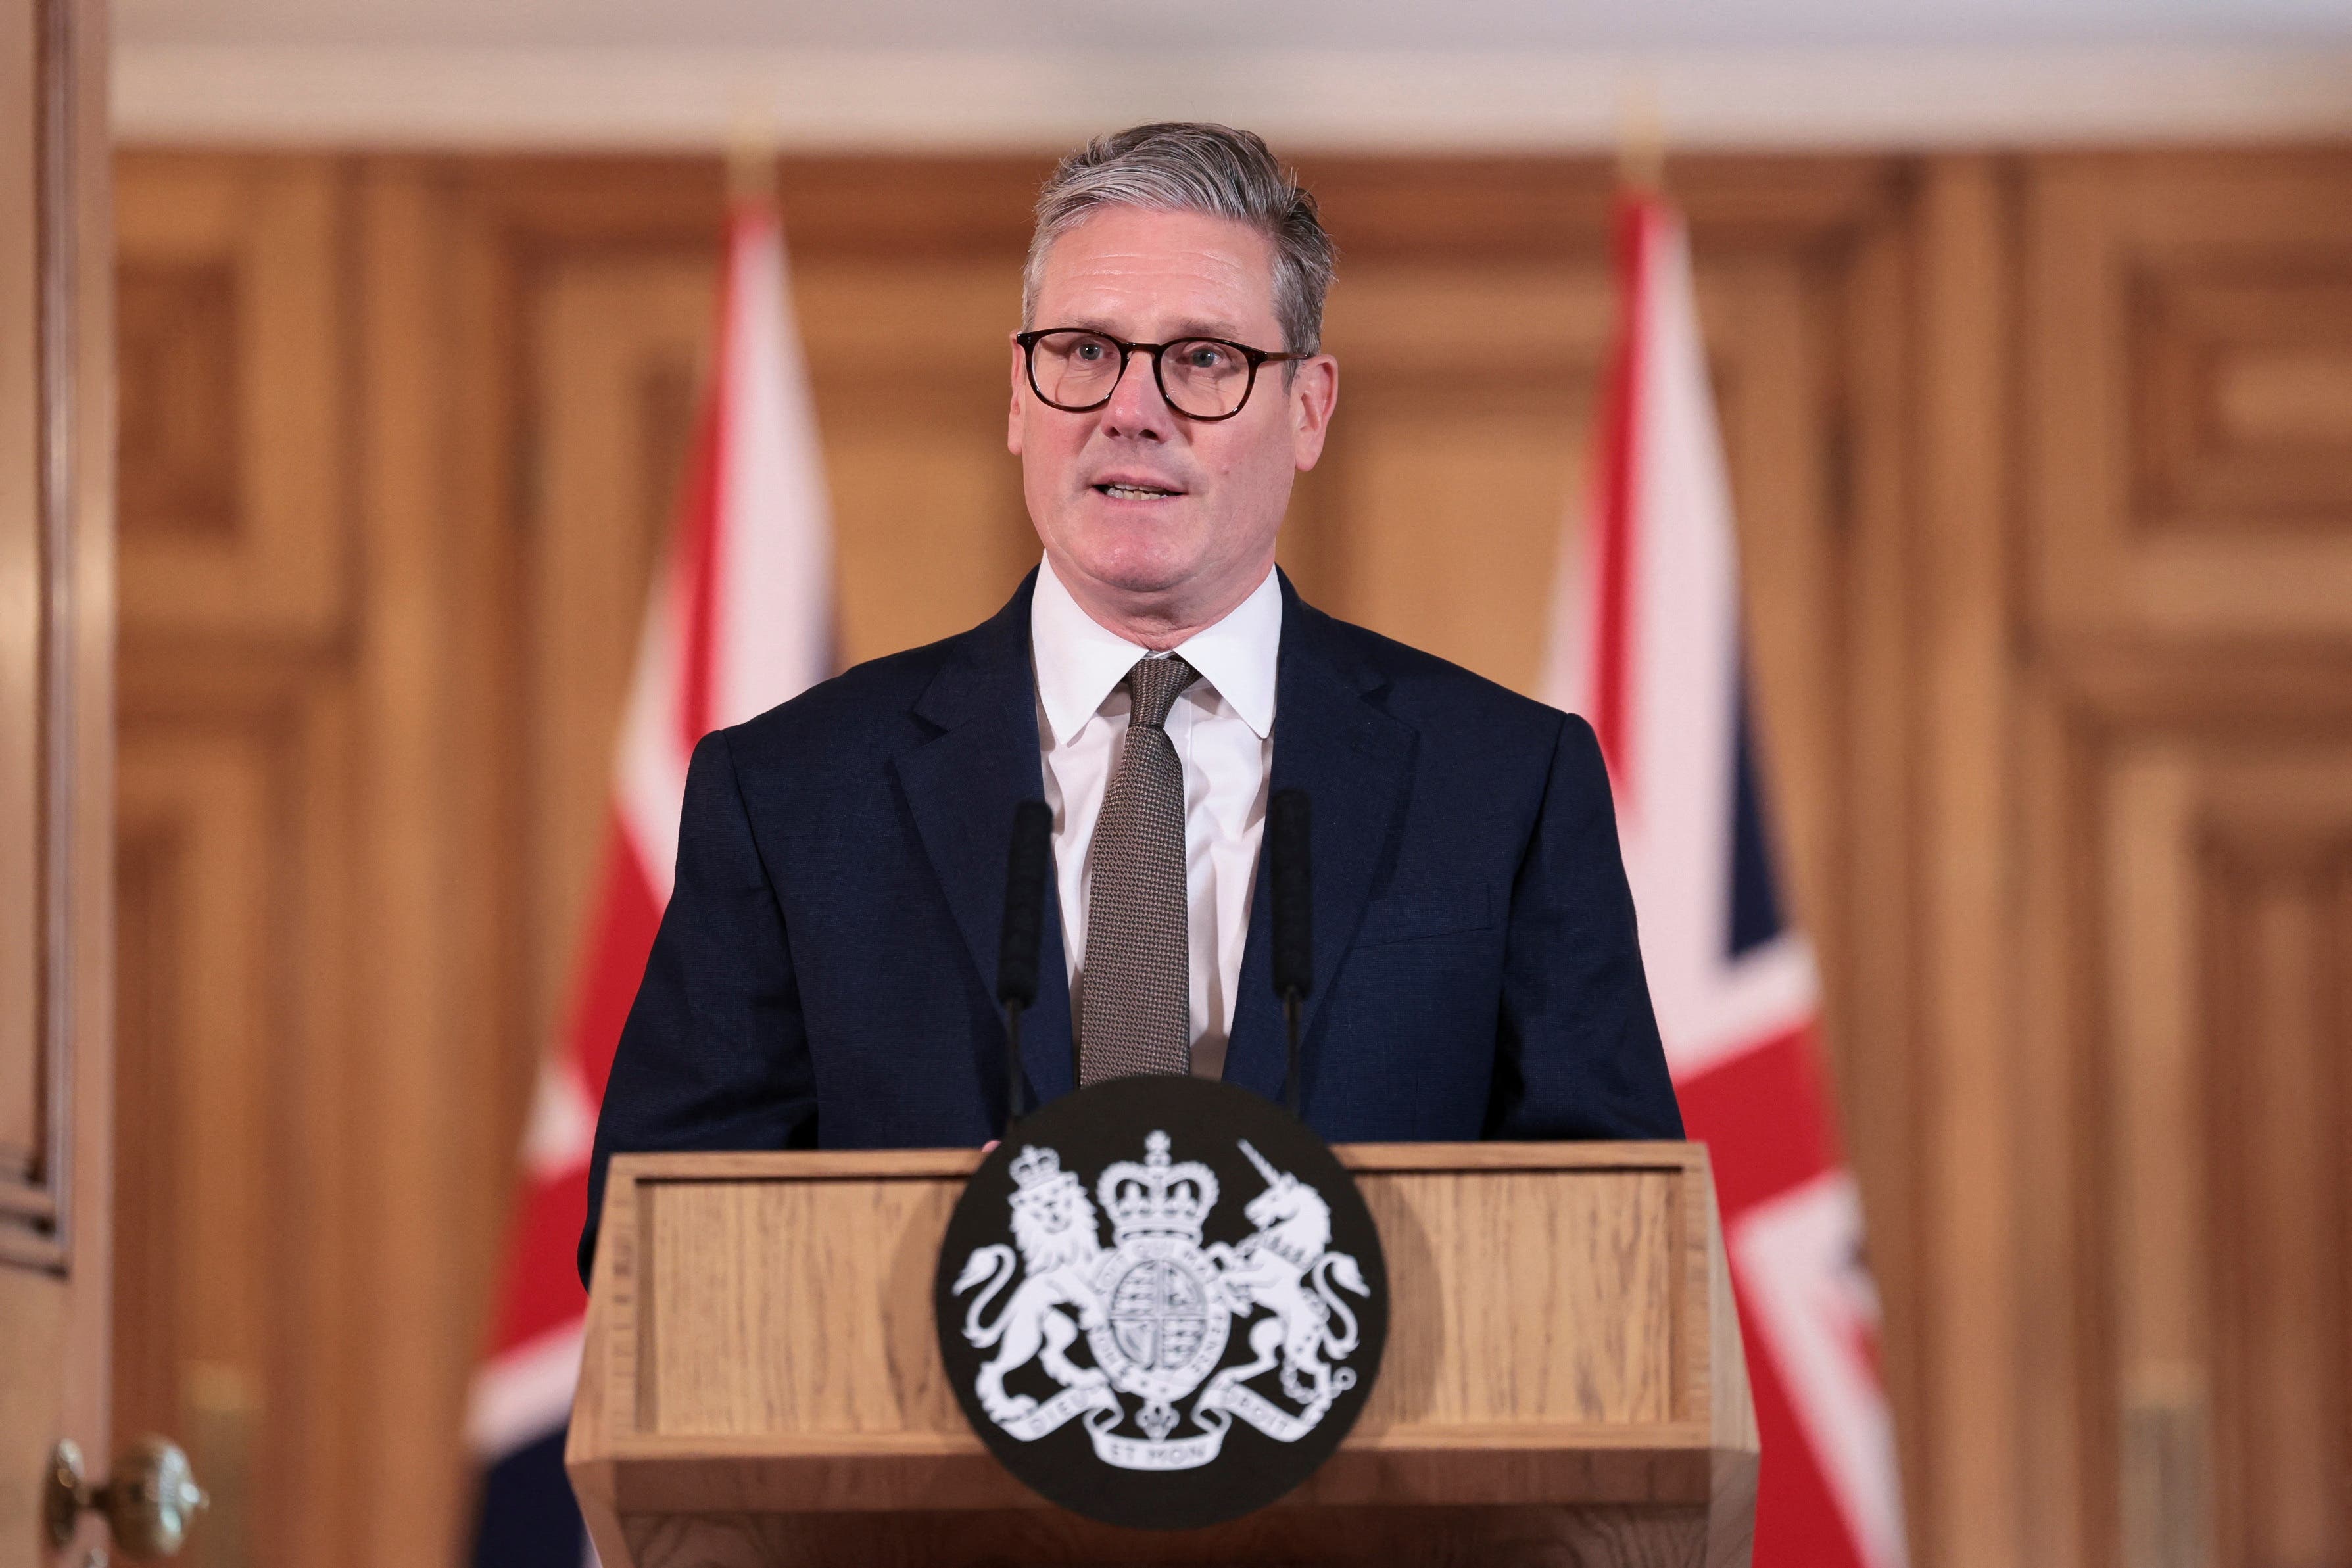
740,621
1647,645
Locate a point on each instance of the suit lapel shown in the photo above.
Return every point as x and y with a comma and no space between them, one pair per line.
960,787
1354,762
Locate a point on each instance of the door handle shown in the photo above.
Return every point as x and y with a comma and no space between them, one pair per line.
148,1502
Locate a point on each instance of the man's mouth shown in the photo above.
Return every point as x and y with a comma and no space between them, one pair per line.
1121,491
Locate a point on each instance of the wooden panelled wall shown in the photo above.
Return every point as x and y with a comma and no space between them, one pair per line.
2044,471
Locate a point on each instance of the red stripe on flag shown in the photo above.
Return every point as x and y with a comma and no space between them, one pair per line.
698,543
541,1288
620,939
698,527
1764,1120
1766,1124
1614,512
1798,1523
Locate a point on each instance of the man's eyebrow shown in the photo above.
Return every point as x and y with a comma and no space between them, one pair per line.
1191,326
1083,324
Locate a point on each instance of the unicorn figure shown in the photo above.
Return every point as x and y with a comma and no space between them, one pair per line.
1287,1268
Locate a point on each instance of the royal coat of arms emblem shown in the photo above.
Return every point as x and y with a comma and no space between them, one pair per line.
1156,1308
1161,1303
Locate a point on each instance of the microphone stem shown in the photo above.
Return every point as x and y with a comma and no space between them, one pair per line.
1290,1076
1012,1066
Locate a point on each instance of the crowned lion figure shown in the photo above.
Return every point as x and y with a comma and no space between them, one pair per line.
1054,1225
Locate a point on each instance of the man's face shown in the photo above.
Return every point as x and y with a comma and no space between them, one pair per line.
1135,502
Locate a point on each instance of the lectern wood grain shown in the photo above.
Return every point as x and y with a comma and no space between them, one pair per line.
1563,1383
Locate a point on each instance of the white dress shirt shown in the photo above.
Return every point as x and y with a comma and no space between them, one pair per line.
1221,726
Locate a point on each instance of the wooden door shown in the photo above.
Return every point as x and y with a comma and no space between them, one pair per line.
56,716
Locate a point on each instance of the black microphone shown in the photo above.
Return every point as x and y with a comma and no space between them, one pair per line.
1294,917
1024,928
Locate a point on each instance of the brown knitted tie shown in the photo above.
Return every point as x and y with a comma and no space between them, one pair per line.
1134,1009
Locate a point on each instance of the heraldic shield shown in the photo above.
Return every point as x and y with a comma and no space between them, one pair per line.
1161,1302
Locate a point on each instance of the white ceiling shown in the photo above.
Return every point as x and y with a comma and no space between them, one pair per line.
1233,26
1418,74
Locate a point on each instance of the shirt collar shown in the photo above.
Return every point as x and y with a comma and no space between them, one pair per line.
1080,662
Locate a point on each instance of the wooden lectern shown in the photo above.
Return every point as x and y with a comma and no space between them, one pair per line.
1563,1382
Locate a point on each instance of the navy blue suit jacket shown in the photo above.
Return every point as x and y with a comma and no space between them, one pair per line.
825,972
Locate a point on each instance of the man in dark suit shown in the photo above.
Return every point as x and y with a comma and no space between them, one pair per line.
823,975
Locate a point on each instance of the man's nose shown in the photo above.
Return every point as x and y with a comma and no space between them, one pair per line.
1136,408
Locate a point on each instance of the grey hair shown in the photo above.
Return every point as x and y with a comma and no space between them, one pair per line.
1195,168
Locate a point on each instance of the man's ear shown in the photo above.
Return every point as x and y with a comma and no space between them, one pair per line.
1313,397
1012,408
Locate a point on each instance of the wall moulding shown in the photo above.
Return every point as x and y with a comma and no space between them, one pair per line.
347,94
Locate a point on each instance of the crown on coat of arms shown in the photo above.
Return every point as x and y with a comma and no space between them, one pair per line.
1036,1167
1157,1198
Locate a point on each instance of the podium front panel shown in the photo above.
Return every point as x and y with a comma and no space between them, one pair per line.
1562,1385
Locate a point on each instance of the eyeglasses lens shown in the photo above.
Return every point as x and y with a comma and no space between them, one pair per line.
1204,378
1074,370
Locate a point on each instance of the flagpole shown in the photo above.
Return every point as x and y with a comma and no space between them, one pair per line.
1640,136
751,150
